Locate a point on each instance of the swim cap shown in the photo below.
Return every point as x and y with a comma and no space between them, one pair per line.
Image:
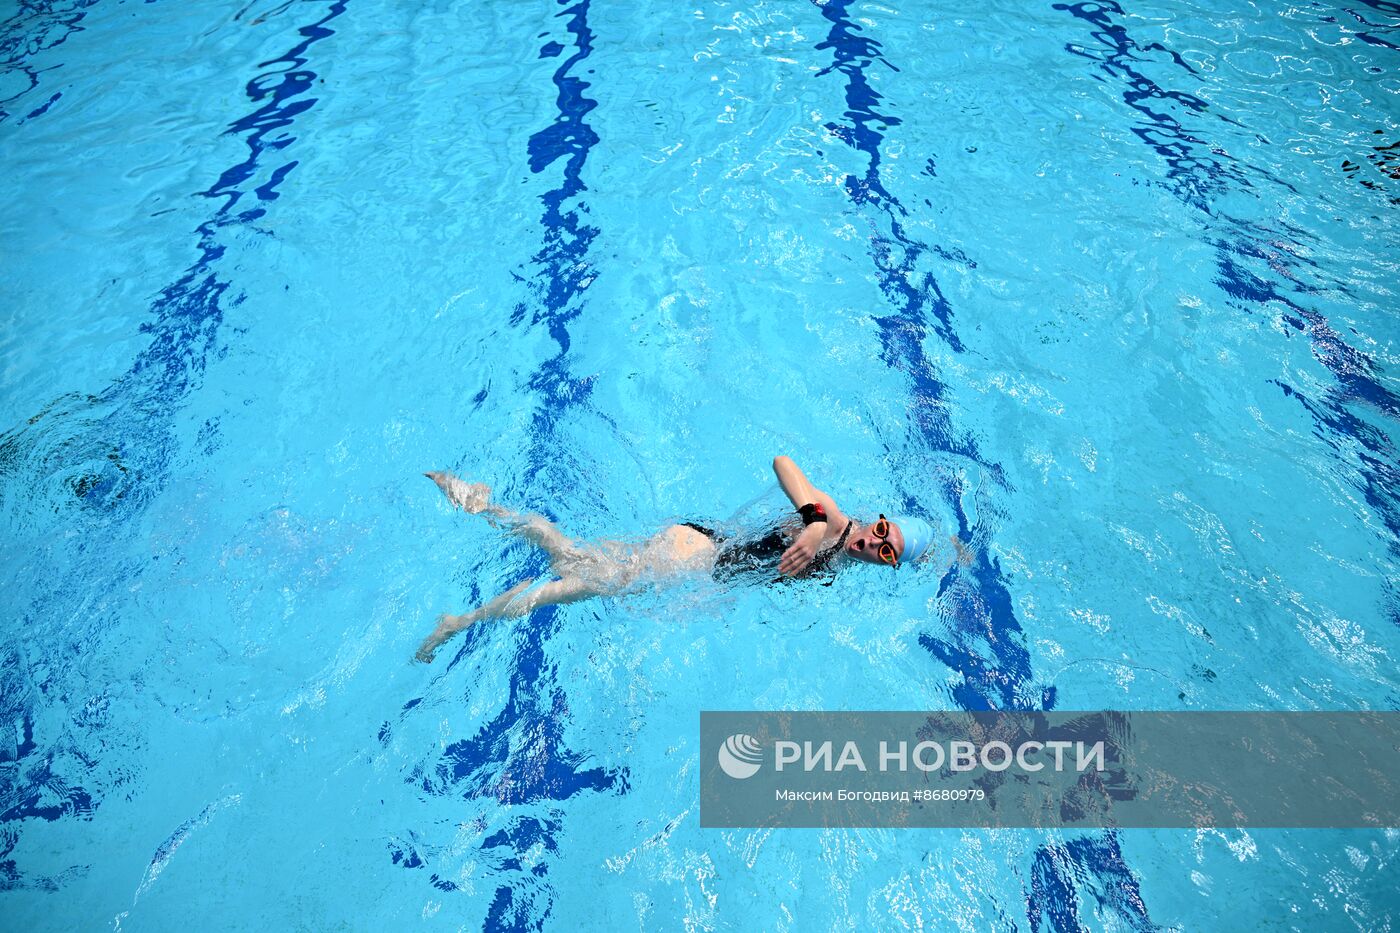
918,535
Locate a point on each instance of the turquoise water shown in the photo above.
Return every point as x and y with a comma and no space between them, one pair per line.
1107,289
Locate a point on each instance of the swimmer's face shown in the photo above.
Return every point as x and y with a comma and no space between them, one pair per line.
865,547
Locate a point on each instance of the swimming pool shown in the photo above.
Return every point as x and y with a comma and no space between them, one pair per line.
1108,287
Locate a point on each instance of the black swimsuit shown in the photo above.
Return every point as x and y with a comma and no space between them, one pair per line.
737,557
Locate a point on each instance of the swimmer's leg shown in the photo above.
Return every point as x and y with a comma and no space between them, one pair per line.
509,605
555,593
474,498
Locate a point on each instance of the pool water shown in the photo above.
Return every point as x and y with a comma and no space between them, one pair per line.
1108,290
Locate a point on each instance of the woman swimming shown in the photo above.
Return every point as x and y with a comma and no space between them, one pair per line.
825,538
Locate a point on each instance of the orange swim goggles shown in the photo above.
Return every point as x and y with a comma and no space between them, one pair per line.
886,552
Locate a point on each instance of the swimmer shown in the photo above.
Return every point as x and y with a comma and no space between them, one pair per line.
825,538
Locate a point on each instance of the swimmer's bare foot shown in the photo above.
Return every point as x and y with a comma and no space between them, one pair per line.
447,627
450,625
470,497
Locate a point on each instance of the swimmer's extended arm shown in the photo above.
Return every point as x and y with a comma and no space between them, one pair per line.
794,481
801,491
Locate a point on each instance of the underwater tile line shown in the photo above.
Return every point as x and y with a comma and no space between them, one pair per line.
1005,680
126,432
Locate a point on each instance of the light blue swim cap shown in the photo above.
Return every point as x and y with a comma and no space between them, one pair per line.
918,535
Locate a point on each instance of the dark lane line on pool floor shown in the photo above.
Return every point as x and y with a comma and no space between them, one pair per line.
127,435
986,612
1196,172
1201,171
1391,28
984,608
519,756
35,28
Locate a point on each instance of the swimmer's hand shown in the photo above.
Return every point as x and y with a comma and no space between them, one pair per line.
472,498
799,555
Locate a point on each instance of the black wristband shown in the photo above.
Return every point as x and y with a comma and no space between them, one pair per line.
812,513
